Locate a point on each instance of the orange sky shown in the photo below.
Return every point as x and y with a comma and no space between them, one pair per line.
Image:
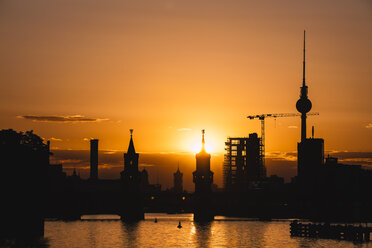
169,68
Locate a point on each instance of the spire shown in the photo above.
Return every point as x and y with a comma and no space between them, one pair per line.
303,69
203,141
178,169
131,145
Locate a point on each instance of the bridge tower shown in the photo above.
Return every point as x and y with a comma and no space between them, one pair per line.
132,207
203,179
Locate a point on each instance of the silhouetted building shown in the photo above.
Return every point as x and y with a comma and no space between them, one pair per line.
310,158
94,159
310,152
341,175
256,171
215,188
203,179
153,188
274,182
203,176
55,171
75,175
144,179
177,181
243,162
130,175
275,179
132,208
331,160
74,180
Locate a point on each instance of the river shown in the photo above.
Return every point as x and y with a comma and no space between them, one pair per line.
109,231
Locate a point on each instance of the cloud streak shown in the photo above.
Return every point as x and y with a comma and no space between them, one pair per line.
184,129
369,125
60,119
292,126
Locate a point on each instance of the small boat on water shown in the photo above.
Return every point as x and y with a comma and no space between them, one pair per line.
179,225
156,220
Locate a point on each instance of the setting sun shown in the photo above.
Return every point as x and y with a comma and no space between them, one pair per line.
197,147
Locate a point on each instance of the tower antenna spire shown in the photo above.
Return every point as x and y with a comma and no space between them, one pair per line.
303,69
203,140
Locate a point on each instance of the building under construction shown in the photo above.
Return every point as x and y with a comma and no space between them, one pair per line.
243,166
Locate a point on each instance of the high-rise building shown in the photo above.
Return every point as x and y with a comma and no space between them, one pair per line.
310,158
94,159
255,169
243,162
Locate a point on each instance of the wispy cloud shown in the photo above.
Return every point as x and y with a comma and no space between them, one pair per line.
60,119
359,158
55,139
146,164
184,129
110,152
287,156
292,127
68,161
369,125
364,161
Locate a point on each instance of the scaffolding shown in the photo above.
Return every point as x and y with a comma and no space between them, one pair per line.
243,162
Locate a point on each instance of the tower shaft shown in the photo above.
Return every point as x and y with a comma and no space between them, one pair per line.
303,105
303,127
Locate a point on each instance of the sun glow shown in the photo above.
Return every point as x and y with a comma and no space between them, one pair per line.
197,147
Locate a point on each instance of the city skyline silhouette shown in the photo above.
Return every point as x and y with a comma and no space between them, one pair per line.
160,123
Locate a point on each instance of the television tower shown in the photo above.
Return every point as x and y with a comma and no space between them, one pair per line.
303,105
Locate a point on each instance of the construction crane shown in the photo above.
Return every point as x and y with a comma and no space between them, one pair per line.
262,117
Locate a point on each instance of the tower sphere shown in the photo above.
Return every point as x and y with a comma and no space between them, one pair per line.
303,105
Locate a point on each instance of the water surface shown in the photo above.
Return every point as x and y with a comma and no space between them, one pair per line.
109,231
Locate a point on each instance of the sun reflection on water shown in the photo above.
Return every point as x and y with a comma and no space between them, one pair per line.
223,232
